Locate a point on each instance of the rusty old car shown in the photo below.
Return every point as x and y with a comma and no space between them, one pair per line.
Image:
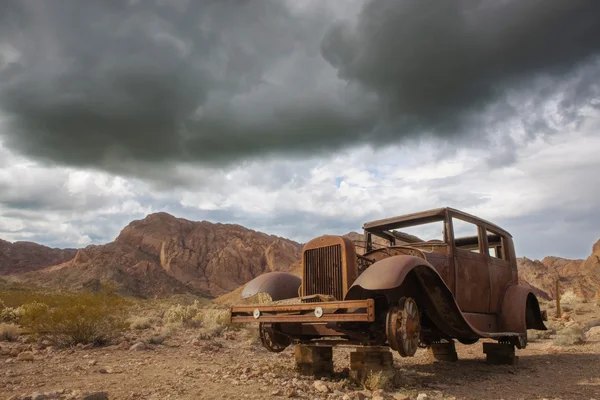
456,278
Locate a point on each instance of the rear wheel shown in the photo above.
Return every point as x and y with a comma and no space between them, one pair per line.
272,340
403,327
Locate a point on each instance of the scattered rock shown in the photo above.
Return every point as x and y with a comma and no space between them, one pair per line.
565,316
96,396
356,396
123,346
92,362
593,334
422,396
321,387
290,392
9,360
25,356
139,346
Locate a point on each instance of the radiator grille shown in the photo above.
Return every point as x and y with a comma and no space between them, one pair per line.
323,271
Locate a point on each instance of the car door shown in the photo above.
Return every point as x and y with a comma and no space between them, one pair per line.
501,273
471,267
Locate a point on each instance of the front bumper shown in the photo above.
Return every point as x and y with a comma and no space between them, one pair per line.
329,311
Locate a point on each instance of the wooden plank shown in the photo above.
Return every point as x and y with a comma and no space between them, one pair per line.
328,305
302,318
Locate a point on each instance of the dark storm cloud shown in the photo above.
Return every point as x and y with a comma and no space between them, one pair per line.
435,64
119,85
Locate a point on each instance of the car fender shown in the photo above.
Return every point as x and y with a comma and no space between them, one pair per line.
520,310
398,276
278,285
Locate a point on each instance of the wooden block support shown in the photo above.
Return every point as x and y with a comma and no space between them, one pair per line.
314,360
369,359
500,353
443,352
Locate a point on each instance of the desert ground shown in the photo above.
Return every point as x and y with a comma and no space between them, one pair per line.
158,360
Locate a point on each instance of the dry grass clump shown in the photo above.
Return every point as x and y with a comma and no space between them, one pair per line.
185,315
569,297
212,319
9,332
535,335
570,336
163,334
140,323
378,380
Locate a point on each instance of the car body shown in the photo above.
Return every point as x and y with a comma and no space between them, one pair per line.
399,290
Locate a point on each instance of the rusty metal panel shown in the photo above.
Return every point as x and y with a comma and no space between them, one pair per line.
472,281
442,264
279,285
482,322
501,278
329,266
323,269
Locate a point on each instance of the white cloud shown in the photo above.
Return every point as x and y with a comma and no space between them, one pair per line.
303,198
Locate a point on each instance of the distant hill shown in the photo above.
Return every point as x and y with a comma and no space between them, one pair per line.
162,255
20,257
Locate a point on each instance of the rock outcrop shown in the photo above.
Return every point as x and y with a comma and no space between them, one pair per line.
20,257
161,255
582,277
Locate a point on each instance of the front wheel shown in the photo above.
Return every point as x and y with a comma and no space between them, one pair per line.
272,340
403,327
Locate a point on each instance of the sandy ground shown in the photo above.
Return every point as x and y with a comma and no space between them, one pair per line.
183,368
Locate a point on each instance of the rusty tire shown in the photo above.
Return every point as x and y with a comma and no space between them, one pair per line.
403,327
272,341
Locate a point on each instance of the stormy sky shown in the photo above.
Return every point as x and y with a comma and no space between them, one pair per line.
300,117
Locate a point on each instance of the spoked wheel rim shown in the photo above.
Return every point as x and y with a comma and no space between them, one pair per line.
272,341
403,327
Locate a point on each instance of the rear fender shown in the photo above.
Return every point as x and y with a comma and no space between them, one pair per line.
413,276
520,310
278,285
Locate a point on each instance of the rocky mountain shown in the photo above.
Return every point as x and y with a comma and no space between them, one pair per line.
20,257
580,276
161,255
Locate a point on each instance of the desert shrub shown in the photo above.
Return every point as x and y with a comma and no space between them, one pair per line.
77,318
535,335
378,380
211,332
253,336
569,297
140,323
184,315
9,332
10,315
570,336
160,336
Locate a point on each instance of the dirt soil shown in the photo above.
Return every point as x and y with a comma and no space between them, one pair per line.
201,369
234,365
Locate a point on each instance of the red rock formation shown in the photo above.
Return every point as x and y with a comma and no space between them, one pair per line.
161,255
20,257
580,276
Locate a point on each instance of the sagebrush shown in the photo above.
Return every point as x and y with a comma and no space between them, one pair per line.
9,332
76,318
